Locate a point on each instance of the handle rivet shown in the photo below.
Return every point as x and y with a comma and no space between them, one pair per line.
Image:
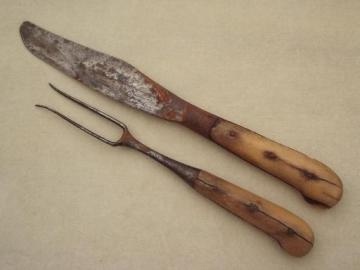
232,134
252,207
290,231
270,155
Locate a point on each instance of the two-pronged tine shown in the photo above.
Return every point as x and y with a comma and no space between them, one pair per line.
89,107
93,109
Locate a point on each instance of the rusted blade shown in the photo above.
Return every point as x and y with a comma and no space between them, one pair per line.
110,76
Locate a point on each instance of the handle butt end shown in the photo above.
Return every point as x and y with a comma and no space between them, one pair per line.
297,250
299,243
323,191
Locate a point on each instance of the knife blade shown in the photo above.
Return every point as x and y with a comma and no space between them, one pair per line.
126,84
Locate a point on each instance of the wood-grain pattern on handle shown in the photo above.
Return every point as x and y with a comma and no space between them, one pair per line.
292,233
317,182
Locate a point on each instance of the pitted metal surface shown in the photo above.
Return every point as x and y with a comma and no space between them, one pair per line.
104,73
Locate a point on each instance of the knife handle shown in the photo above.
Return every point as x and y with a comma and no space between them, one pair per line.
316,182
292,233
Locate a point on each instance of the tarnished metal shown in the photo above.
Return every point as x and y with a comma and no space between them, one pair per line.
114,77
186,172
110,76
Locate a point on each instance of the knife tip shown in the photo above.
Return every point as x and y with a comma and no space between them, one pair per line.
25,30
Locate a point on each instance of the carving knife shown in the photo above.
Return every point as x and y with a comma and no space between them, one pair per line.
124,83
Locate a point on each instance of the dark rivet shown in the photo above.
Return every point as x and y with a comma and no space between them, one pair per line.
309,175
270,155
232,133
290,231
252,207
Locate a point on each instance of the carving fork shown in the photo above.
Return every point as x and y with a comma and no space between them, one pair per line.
292,233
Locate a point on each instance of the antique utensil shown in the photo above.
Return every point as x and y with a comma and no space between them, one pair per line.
292,233
124,83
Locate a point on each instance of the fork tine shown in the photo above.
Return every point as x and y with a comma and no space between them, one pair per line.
88,131
89,107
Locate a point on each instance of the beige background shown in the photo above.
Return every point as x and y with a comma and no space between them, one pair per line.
286,69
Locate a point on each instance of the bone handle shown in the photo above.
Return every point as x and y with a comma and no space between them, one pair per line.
292,233
317,182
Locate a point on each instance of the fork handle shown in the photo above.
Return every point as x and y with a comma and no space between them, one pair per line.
316,182
292,233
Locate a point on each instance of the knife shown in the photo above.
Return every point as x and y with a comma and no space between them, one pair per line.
124,83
